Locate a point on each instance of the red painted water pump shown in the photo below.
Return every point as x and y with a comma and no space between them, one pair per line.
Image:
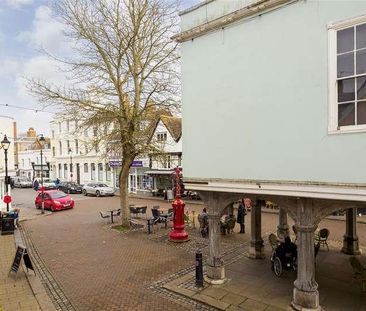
178,234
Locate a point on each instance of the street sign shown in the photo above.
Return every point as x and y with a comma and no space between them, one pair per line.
7,199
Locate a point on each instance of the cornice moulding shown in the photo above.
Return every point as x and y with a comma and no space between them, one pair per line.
255,9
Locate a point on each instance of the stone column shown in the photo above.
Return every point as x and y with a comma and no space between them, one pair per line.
282,228
350,239
215,264
256,249
306,295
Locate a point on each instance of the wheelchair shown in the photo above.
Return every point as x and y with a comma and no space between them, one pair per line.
282,260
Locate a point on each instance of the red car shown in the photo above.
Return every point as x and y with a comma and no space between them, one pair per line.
55,200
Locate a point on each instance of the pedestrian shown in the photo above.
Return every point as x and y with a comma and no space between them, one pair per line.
241,216
203,220
12,183
36,185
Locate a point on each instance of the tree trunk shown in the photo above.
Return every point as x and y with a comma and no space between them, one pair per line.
123,188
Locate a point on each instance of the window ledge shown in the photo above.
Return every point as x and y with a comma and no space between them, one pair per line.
347,130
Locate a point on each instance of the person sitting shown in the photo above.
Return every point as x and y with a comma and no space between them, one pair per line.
227,223
287,251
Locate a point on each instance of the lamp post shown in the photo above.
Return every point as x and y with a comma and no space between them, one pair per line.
71,168
5,143
41,142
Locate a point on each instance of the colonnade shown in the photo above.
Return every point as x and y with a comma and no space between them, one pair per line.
306,213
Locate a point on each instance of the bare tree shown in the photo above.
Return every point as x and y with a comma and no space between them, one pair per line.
123,74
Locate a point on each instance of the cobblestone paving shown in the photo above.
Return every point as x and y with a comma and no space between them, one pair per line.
102,269
53,288
15,293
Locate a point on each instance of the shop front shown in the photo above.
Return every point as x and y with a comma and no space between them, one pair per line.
138,181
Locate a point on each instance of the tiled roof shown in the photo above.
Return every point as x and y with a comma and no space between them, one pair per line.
174,126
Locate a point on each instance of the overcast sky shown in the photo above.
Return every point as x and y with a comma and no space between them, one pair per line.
26,26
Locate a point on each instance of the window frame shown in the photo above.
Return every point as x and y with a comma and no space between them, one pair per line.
333,28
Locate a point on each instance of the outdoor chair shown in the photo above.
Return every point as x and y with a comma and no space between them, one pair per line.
134,211
135,226
104,215
143,211
322,237
157,217
359,271
273,241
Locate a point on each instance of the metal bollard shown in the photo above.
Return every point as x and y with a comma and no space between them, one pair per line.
149,225
199,269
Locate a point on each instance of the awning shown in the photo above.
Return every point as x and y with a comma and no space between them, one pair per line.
157,172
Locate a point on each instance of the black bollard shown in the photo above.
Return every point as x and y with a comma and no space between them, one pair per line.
149,225
199,269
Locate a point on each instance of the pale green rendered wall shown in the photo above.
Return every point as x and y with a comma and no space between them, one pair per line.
255,100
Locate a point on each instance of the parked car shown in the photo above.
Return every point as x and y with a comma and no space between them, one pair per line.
54,200
47,183
22,182
98,189
69,187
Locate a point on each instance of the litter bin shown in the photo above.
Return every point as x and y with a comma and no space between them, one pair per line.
7,225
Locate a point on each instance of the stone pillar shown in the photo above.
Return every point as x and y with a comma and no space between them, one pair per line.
215,264
306,295
282,228
256,249
350,239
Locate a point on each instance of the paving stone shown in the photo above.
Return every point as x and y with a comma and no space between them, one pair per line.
215,292
234,308
234,299
253,305
273,308
211,301
15,293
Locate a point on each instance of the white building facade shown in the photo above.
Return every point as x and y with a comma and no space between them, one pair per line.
8,128
28,156
167,136
74,157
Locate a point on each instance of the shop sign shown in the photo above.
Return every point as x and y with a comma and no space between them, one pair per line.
115,163
136,164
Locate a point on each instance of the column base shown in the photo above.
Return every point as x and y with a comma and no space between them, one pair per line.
305,301
215,275
351,246
256,250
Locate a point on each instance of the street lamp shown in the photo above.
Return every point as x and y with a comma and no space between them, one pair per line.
71,168
41,142
5,144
